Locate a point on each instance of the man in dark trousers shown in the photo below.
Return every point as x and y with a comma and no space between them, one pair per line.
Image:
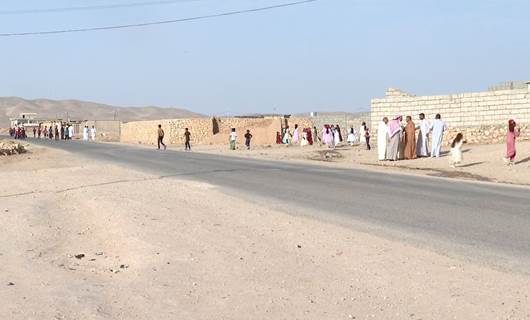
187,139
161,137
248,137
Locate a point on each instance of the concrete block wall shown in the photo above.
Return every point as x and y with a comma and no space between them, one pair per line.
471,113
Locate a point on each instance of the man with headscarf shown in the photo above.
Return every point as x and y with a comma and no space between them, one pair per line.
422,145
382,138
394,134
438,127
409,139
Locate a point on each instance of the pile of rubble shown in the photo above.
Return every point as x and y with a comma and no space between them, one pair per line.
10,147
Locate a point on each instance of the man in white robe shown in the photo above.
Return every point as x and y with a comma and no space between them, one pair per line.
93,133
438,127
70,132
362,131
422,145
382,138
85,133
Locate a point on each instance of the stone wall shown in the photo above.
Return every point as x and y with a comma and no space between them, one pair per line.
482,117
208,131
145,132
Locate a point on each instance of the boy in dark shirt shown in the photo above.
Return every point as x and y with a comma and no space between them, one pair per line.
161,137
248,137
187,138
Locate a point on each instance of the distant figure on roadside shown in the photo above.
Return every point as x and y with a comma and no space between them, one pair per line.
85,133
93,133
362,129
336,136
160,137
367,138
422,146
382,139
296,134
45,132
351,137
304,141
62,132
70,132
66,132
248,138
456,150
394,135
511,136
316,137
286,135
50,132
438,127
57,132
187,140
233,139
39,132
327,137
409,139
34,132
278,137
340,133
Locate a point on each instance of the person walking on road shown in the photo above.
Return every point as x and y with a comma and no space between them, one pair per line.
248,137
233,139
511,136
93,133
161,137
187,139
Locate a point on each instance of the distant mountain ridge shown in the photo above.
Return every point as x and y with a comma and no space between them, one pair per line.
84,110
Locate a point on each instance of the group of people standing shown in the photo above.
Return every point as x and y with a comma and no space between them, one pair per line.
396,141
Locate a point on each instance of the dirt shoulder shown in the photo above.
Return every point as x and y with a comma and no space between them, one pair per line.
94,241
481,162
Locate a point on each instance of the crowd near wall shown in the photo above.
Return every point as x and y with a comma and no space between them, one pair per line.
215,130
482,117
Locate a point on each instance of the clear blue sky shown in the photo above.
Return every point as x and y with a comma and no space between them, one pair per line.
331,55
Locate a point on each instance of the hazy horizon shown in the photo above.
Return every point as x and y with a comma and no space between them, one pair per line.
330,55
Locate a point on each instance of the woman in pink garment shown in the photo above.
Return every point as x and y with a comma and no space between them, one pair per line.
511,136
296,134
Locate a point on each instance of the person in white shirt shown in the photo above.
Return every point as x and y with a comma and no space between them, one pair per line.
93,133
233,139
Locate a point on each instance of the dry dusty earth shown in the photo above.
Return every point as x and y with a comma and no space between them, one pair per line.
85,240
481,162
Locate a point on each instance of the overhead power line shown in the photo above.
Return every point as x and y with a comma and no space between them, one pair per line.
154,23
94,7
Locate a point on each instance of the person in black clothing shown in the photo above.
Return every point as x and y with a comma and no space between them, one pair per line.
248,137
187,139
161,137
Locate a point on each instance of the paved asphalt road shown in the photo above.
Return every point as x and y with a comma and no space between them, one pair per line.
485,222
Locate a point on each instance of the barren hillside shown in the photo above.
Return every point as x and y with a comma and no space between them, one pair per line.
12,106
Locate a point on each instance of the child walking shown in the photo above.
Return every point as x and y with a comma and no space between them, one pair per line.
248,137
511,136
456,150
233,139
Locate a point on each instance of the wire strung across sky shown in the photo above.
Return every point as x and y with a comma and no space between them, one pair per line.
154,23
93,7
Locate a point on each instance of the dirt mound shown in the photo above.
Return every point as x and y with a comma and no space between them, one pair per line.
10,147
